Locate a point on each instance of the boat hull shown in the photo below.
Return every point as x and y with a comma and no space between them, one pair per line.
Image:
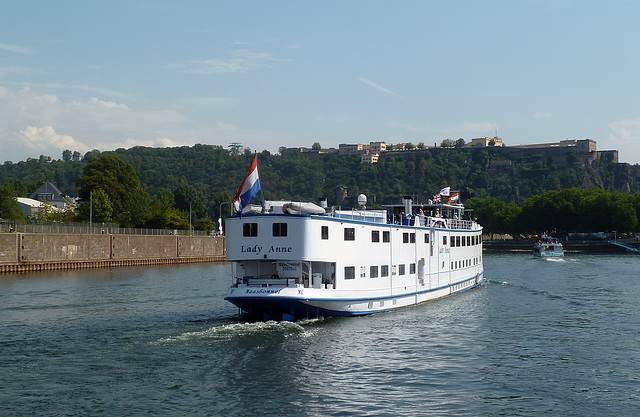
548,251
549,255
297,303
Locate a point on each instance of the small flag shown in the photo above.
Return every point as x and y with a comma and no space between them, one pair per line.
454,197
249,187
445,191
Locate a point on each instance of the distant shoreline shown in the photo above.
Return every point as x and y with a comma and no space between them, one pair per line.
585,246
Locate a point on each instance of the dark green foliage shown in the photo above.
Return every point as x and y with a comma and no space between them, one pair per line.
207,177
111,174
164,215
9,208
100,206
565,211
205,224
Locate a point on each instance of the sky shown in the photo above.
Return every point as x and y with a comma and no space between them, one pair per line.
117,74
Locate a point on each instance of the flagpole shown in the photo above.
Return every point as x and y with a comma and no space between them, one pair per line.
261,187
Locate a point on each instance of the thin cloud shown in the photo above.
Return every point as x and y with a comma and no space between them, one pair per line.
17,49
377,86
94,90
625,134
209,102
15,70
240,61
335,119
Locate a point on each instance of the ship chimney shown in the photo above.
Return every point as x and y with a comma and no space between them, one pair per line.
323,202
408,204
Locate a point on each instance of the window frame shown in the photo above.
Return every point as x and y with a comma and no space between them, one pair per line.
349,272
384,270
249,229
279,229
349,234
373,271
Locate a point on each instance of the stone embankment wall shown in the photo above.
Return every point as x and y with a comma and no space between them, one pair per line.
23,252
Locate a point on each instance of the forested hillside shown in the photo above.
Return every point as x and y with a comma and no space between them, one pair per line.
216,174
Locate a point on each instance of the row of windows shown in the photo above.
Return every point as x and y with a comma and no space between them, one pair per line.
465,240
251,229
464,263
381,271
280,230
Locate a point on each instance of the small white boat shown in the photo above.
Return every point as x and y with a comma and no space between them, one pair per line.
549,248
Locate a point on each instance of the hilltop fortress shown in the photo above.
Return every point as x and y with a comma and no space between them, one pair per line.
562,153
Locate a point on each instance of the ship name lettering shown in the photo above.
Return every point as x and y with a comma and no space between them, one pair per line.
253,249
280,249
263,291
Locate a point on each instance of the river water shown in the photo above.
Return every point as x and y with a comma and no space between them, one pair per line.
538,338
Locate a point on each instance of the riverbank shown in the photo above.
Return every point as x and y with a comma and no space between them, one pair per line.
27,252
585,246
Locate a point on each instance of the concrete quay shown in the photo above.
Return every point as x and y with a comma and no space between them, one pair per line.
27,252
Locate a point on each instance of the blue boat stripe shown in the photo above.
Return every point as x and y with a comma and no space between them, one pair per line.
386,297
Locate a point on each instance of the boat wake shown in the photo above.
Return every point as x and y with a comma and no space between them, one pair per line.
233,330
553,259
493,281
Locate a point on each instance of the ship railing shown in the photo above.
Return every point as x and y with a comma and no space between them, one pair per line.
440,222
369,216
252,281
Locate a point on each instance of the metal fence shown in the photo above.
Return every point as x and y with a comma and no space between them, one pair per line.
93,228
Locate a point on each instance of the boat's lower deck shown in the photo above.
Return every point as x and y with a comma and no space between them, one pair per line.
294,302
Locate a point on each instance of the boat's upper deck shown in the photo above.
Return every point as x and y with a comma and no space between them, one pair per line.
443,216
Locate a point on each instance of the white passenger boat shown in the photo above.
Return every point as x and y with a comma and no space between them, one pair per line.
296,261
548,248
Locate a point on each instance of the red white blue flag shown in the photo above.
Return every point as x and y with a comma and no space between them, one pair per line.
249,187
454,197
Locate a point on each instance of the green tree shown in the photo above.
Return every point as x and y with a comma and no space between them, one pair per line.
188,199
447,143
111,174
70,211
205,224
164,215
495,216
95,153
9,207
98,207
66,155
316,146
135,208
